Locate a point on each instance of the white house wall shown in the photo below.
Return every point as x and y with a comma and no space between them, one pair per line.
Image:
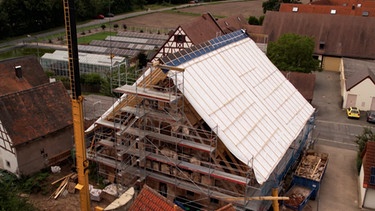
8,160
369,200
364,91
362,191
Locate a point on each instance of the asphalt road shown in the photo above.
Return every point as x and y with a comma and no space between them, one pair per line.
333,128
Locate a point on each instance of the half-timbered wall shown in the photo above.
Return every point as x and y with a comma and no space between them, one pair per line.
8,160
178,41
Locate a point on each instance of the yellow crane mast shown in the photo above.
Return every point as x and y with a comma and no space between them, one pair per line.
77,105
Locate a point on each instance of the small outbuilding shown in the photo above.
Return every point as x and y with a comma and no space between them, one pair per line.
357,79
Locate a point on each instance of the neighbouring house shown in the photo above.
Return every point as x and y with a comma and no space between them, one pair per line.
335,36
357,80
150,200
304,83
363,8
35,118
367,177
204,28
207,123
191,33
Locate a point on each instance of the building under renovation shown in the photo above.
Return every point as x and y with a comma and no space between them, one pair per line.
205,126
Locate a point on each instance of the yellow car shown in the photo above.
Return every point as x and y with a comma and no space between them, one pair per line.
353,112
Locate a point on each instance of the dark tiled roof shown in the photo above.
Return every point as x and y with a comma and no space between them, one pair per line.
368,163
150,200
346,36
35,112
32,74
304,83
202,29
356,71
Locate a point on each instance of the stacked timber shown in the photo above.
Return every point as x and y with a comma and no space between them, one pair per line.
67,182
312,166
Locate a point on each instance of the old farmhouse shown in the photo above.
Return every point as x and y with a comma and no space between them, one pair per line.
35,120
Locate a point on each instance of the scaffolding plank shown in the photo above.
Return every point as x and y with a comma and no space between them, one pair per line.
146,93
106,142
182,142
106,161
201,169
151,113
191,187
110,124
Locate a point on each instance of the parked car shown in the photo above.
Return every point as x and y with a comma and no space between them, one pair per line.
100,16
110,15
353,112
371,116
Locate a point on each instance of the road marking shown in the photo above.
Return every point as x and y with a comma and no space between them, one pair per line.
336,142
340,123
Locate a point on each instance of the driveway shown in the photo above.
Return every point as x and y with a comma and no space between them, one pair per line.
335,134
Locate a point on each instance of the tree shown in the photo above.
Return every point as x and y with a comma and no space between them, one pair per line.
366,136
292,52
274,5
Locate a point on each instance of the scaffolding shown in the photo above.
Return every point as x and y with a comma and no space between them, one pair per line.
154,137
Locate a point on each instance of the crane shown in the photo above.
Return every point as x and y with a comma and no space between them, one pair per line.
77,105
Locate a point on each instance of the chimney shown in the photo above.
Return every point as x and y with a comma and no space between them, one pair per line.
18,71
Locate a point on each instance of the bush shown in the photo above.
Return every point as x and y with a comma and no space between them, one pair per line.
253,20
366,136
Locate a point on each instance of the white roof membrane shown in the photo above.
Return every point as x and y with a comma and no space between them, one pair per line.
233,85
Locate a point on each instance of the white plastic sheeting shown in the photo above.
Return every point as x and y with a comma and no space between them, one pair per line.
258,111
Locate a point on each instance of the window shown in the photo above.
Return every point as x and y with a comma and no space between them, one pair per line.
215,201
163,190
8,164
295,9
372,176
365,13
189,193
321,45
179,38
333,12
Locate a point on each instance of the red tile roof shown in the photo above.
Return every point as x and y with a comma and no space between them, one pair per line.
150,200
343,36
368,163
327,9
32,74
202,29
303,82
228,207
36,112
232,23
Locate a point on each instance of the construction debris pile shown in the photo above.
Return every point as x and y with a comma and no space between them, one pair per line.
297,195
312,166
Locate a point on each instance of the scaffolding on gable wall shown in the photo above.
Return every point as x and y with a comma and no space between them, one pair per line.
149,138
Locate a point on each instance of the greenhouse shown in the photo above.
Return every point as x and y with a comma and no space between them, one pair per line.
57,62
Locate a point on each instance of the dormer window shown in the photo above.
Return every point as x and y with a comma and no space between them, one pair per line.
295,9
322,45
333,12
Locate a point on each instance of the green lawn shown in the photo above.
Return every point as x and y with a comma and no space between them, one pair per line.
97,36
